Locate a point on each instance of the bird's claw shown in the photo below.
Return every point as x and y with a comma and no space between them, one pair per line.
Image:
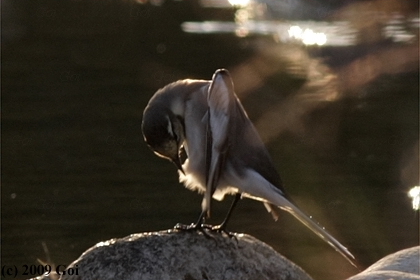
205,229
222,229
194,227
185,227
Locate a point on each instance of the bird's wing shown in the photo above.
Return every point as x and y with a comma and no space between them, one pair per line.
221,101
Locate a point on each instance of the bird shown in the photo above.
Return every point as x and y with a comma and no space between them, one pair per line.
203,129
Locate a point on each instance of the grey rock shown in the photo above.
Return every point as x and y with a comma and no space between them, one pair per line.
193,255
183,255
402,265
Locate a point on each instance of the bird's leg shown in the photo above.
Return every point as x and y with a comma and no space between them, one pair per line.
222,226
201,219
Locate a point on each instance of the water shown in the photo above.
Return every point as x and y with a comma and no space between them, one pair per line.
341,124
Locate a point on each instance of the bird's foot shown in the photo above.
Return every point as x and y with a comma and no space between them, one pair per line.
205,229
190,227
222,230
194,227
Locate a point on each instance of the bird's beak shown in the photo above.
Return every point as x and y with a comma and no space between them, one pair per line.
178,164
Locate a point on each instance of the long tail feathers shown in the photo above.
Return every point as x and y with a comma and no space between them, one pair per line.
318,230
283,203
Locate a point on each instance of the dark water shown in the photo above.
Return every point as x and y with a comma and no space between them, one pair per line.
340,123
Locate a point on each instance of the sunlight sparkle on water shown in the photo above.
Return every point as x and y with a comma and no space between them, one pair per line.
239,3
307,36
414,193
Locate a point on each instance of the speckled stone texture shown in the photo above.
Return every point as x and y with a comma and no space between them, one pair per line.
185,256
402,265
191,256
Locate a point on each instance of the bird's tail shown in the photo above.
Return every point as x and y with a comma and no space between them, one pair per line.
321,232
284,204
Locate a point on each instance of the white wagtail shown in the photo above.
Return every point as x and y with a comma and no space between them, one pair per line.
224,153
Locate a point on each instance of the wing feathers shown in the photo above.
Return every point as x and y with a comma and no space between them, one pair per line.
221,102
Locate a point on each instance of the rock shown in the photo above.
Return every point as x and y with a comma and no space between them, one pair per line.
402,265
183,255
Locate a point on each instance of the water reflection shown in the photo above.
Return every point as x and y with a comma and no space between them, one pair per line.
252,18
308,37
239,3
414,193
308,33
397,29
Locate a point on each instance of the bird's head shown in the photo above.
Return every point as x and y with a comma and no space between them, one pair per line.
163,131
163,119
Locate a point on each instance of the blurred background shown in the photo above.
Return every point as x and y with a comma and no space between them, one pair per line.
332,87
